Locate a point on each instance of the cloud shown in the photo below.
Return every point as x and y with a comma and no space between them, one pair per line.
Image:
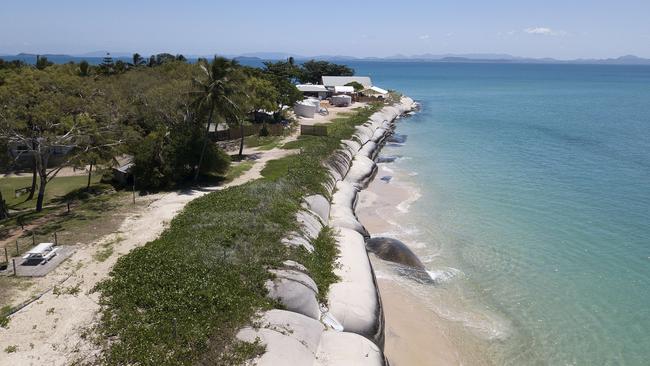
543,31
424,36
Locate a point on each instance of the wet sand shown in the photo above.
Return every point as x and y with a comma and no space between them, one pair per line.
415,334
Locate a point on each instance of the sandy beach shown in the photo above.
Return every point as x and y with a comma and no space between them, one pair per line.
415,334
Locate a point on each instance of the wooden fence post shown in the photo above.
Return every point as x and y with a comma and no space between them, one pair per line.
13,261
17,247
56,240
6,256
33,238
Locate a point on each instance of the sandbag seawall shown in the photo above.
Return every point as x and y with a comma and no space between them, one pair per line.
351,329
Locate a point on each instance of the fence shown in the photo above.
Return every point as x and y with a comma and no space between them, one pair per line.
313,130
26,242
249,130
367,99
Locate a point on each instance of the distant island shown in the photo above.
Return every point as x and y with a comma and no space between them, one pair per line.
95,57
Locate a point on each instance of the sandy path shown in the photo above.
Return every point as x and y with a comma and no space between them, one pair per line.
50,331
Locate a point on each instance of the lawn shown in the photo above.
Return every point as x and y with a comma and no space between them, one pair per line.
263,143
57,188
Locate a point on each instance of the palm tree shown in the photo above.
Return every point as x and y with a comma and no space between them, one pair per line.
218,91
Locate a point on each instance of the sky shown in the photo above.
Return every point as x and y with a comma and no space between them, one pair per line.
563,29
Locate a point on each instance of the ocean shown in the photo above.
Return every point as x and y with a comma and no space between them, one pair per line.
530,204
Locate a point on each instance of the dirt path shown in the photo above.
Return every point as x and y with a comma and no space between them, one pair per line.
52,330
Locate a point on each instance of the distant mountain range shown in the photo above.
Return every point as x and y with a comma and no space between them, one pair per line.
258,57
472,57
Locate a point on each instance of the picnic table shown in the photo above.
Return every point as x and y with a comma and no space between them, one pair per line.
42,253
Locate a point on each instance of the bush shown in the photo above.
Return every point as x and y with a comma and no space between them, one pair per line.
264,131
357,86
163,160
181,298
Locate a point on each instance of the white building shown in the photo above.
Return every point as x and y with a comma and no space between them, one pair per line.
319,91
332,81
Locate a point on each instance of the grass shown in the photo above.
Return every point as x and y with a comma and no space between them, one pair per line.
263,143
11,349
56,189
4,316
236,170
180,299
322,262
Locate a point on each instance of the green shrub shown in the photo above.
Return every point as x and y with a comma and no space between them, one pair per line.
356,85
4,316
165,159
182,297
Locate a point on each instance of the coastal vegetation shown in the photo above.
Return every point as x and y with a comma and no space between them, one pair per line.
183,296
179,299
161,111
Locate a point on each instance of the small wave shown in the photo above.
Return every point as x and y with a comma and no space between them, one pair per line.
444,275
399,231
406,204
387,169
428,258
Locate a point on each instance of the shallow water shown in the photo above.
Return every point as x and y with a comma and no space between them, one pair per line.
531,203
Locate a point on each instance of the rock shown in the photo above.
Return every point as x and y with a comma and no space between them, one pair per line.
395,251
397,138
386,158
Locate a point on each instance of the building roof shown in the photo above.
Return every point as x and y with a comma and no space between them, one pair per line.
124,163
378,90
342,80
311,88
344,89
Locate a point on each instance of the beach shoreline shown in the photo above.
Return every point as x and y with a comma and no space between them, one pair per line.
415,334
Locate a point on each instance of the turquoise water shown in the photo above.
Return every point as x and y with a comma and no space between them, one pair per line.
534,182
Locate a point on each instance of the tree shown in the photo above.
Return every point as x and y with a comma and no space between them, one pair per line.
47,111
312,71
137,60
282,74
42,62
356,85
84,68
4,161
4,211
219,90
120,66
107,66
